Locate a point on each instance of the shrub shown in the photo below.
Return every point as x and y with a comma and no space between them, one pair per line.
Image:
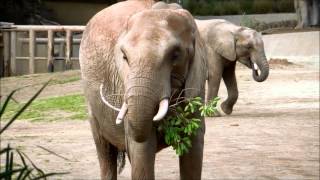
262,6
229,7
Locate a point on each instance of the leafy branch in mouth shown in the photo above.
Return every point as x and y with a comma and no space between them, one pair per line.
179,127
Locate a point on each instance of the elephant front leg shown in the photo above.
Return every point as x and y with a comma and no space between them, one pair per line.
107,153
191,163
142,157
214,80
229,78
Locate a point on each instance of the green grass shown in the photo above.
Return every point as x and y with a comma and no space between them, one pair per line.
56,78
51,109
66,80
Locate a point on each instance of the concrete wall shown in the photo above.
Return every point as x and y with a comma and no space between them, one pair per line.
267,18
298,47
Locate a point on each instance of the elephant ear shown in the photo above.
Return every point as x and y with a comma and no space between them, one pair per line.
197,70
197,73
224,41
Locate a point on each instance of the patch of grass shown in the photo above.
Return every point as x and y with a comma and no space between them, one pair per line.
262,26
55,108
66,80
249,22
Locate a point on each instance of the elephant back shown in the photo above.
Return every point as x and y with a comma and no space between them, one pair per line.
100,37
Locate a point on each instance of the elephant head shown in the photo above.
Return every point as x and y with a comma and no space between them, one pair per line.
246,46
152,56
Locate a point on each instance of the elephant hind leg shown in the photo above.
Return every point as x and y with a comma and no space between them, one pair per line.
107,154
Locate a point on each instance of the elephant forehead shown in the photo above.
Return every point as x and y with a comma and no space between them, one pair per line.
149,34
166,19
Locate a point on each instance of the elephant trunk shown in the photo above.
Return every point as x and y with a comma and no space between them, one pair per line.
143,101
262,65
140,113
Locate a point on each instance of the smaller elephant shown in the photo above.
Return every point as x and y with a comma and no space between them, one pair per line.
227,43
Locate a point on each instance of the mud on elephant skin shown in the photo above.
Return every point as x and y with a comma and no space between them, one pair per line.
135,59
227,43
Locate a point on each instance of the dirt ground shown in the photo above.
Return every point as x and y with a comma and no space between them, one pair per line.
273,132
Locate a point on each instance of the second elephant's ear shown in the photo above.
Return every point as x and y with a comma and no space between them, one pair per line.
225,44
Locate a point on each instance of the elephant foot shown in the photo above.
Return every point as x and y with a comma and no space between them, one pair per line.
226,109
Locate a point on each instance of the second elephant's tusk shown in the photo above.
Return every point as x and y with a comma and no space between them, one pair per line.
163,109
105,101
122,113
255,66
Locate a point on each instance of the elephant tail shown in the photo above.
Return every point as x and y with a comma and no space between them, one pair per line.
121,161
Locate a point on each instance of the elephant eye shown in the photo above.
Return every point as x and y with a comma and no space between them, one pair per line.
124,56
175,55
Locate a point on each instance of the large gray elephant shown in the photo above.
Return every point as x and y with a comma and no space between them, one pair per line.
135,58
226,44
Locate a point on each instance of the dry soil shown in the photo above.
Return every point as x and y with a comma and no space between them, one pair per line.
273,132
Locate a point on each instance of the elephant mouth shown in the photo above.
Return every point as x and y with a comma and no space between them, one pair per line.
162,111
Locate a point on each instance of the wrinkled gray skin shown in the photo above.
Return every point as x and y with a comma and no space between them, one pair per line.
227,43
140,55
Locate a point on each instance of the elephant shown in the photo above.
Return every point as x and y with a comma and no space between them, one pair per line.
227,43
139,58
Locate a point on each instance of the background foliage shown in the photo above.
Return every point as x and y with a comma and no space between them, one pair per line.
232,7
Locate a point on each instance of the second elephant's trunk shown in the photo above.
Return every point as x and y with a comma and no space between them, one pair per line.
263,66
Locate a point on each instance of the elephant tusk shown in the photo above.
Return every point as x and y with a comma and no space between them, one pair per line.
105,101
122,113
163,109
255,66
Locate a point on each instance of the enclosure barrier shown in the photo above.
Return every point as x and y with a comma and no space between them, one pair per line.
10,38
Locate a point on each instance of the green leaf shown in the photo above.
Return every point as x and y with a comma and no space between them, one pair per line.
198,103
186,108
182,125
187,141
3,107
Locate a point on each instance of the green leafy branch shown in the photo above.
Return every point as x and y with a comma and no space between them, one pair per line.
211,108
179,127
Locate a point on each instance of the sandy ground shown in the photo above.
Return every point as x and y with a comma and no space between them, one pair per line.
273,132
